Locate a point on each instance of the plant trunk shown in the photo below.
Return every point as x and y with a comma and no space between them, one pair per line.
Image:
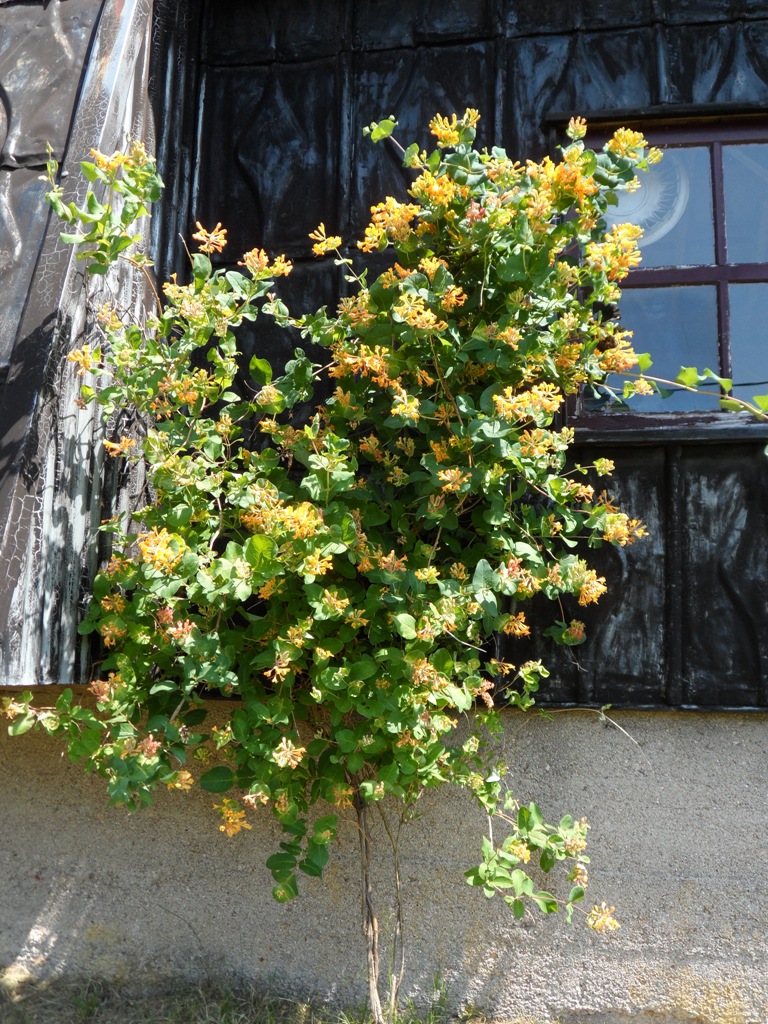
369,919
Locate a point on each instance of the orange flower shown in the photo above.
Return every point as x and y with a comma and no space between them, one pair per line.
122,448
210,241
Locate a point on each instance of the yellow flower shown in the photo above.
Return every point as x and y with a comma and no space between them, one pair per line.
406,405
160,549
341,795
324,243
601,919
519,850
286,755
626,142
439,191
355,309
452,297
232,815
281,668
577,128
604,467
620,356
617,253
281,267
103,689
83,357
619,529
579,876
256,260
415,312
592,588
390,221
356,618
453,479
541,400
445,130
210,241
644,387
256,799
391,563
111,633
315,564
515,625
430,265
333,602
182,780
108,163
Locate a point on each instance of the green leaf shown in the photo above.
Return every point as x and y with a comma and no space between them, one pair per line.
201,268
259,552
281,862
164,686
644,361
545,901
261,370
378,130
218,779
410,154
286,890
21,724
315,861
324,829
726,383
405,625
484,578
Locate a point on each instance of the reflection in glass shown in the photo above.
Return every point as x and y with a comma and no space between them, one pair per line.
749,339
678,327
674,207
745,177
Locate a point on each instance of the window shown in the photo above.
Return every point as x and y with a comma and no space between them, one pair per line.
700,297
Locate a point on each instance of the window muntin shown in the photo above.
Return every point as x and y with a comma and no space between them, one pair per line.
700,296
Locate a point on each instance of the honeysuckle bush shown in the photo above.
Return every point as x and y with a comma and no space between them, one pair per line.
356,580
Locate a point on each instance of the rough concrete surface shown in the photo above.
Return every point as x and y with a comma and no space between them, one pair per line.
678,813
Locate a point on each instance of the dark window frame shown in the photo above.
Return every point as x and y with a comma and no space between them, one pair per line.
684,128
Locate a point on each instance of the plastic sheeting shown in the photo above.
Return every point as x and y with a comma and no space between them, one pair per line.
95,59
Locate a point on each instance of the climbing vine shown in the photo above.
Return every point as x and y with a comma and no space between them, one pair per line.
356,579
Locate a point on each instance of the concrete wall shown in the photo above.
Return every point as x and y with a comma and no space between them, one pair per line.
678,821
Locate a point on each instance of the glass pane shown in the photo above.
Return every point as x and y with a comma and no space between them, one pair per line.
678,327
674,207
745,177
749,339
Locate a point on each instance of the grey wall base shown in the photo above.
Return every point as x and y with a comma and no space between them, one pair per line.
162,896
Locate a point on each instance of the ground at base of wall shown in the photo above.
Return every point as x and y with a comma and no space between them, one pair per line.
93,1002
89,1002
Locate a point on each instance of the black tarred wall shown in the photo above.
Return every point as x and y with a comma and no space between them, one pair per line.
261,105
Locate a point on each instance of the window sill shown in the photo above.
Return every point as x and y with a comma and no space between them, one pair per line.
664,428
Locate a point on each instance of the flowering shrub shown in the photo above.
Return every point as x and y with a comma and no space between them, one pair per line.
358,578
